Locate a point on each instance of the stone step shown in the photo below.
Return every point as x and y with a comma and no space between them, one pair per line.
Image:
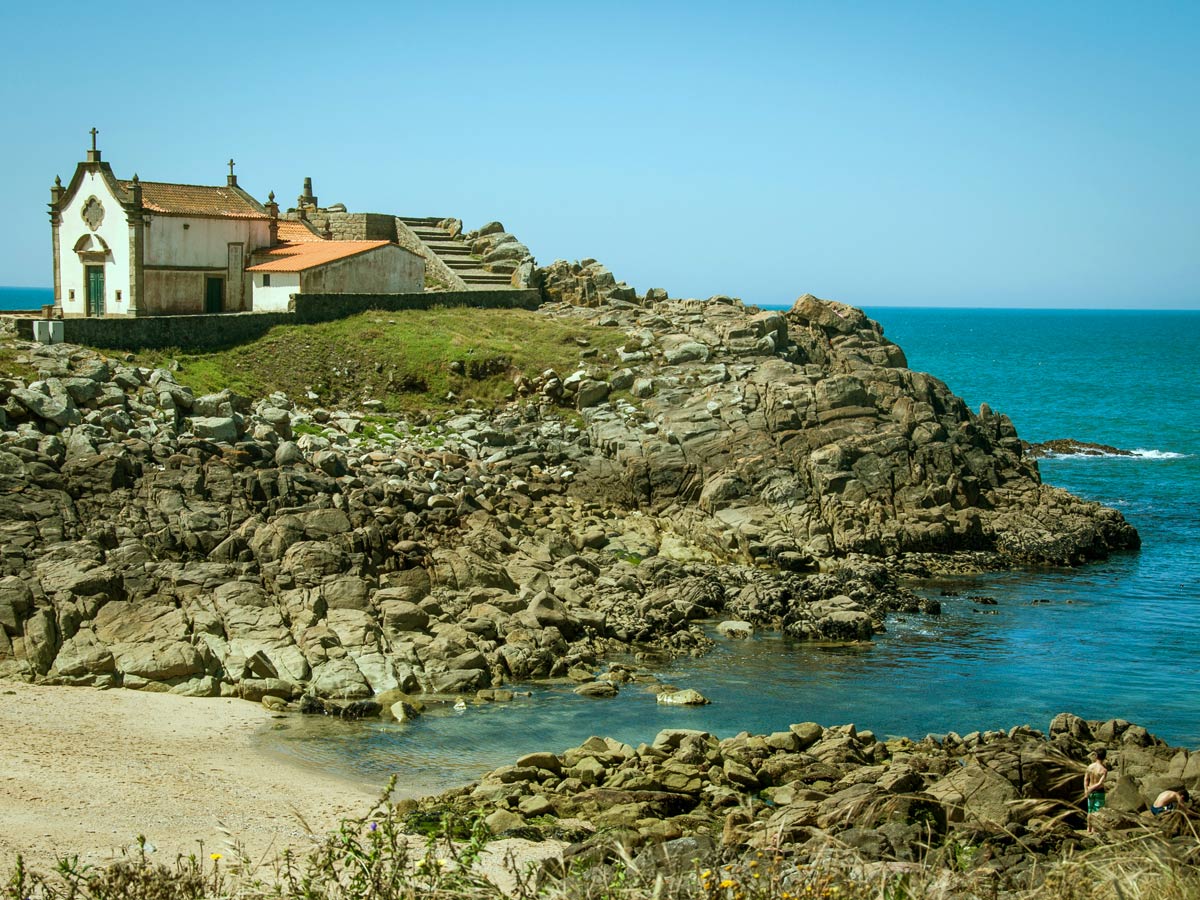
485,278
430,221
442,242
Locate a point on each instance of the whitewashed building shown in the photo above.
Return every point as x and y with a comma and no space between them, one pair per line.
137,248
333,267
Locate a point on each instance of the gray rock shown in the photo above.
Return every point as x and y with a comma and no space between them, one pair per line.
221,429
686,697
735,630
597,689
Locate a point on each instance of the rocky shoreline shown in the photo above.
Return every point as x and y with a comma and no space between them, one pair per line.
784,469
995,803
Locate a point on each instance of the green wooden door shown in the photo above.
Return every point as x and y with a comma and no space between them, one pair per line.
95,290
214,294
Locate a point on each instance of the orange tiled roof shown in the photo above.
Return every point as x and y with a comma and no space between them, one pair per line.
195,200
309,254
293,232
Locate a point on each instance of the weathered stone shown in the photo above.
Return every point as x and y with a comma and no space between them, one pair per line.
686,697
597,689
222,429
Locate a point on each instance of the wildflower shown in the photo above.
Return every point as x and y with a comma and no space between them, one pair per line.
373,826
215,857
727,883
707,873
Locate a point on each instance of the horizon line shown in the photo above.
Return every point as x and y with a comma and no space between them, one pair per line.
880,305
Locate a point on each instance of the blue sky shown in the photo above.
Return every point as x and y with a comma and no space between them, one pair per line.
952,154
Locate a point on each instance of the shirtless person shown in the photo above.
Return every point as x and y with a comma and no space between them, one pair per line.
1169,801
1094,777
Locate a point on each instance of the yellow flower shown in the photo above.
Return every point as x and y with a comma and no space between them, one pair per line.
727,883
706,873
215,857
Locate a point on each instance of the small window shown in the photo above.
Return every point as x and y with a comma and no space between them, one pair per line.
71,294
118,296
266,279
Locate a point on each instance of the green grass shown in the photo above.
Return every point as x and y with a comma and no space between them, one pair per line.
401,358
12,366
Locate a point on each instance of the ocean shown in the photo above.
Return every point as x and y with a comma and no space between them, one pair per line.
25,298
1113,639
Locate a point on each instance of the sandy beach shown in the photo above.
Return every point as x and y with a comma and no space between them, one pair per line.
85,772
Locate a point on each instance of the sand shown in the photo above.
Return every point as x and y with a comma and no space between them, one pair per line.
84,772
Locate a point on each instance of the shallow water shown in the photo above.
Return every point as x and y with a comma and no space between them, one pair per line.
1111,639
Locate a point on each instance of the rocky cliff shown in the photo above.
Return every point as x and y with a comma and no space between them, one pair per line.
780,467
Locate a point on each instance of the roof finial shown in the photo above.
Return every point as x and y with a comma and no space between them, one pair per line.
232,179
271,196
231,165
58,181
93,154
136,180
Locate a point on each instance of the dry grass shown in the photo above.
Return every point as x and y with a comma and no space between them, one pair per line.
376,856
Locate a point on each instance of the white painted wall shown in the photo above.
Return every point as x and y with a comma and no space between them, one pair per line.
276,297
187,241
115,232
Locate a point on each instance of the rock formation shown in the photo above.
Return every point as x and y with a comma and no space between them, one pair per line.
1012,797
782,468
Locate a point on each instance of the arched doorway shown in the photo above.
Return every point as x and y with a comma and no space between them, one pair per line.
93,253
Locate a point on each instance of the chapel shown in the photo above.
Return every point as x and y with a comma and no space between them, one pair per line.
144,248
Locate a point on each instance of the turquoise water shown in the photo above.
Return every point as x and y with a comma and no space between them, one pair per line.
25,297
1113,639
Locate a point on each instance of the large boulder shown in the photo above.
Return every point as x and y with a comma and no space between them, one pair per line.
975,795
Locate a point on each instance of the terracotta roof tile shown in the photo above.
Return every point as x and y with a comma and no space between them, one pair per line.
196,200
291,231
308,254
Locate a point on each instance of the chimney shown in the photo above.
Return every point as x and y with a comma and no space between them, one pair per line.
307,198
273,224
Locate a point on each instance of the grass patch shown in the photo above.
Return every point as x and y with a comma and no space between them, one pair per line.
411,361
14,364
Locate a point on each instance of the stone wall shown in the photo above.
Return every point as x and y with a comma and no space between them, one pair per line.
325,307
346,226
211,332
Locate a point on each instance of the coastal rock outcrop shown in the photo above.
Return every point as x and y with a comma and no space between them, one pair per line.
785,438
1011,796
780,468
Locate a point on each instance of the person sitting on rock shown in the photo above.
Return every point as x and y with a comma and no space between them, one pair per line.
1094,777
1169,801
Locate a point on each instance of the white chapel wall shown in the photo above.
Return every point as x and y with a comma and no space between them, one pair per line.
181,252
276,296
113,230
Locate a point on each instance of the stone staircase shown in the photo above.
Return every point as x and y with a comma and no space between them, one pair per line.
450,260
